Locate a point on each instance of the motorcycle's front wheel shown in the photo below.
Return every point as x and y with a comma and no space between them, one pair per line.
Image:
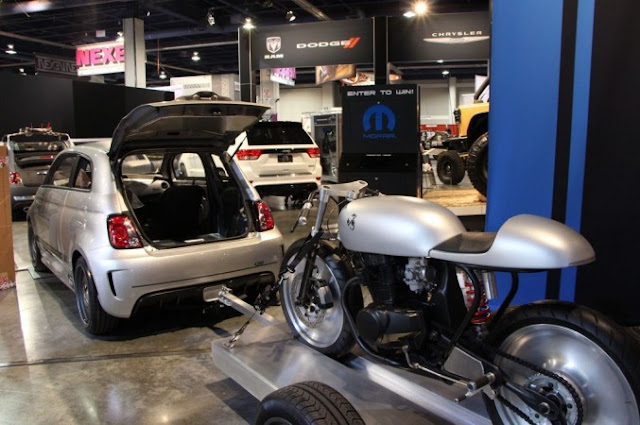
597,358
324,329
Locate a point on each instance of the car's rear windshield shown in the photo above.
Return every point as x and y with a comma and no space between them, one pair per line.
39,143
278,133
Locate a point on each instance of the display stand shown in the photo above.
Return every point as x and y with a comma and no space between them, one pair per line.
7,267
268,358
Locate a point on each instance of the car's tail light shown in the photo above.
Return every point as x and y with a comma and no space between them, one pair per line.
14,177
248,154
123,233
313,152
264,218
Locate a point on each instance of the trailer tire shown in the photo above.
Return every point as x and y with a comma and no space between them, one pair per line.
450,167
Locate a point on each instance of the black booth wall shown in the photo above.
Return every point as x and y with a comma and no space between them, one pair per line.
79,108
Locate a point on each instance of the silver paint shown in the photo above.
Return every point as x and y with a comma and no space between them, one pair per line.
528,242
396,225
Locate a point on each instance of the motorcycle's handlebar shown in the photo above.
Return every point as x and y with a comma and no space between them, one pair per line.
304,213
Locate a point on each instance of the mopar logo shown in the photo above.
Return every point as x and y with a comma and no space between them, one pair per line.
380,121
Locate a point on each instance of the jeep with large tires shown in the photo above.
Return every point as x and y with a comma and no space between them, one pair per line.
470,150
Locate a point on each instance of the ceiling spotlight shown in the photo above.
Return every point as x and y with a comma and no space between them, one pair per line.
163,75
120,36
21,70
421,8
195,57
445,72
291,16
440,61
409,14
10,49
211,19
248,24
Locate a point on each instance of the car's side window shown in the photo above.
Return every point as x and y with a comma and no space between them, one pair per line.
188,165
60,173
83,176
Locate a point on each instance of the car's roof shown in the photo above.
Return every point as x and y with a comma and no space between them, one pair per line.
101,146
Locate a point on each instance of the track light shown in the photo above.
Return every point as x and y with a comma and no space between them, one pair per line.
409,14
195,57
163,75
10,49
421,8
248,24
445,72
291,16
120,36
211,19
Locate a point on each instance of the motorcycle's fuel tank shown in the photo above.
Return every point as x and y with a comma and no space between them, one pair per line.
396,225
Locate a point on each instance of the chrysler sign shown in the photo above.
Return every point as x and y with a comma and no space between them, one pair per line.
100,58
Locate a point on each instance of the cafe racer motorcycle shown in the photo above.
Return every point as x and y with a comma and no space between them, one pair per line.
403,279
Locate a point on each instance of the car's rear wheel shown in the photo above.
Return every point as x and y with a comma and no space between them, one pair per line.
94,319
34,251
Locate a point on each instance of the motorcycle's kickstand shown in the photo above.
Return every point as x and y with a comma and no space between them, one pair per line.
227,298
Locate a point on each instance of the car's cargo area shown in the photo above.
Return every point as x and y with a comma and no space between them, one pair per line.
174,209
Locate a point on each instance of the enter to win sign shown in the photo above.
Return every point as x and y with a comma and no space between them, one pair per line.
100,58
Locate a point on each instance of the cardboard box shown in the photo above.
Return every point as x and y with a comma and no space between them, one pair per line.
7,266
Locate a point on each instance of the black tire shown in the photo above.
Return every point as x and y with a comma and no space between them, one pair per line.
307,403
478,163
335,338
93,318
34,251
597,357
450,167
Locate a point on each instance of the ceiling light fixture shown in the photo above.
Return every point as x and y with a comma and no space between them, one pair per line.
291,16
10,49
248,24
120,36
409,14
211,19
195,57
163,75
440,61
421,8
21,70
445,72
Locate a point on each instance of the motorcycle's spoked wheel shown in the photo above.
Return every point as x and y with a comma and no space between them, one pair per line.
599,360
324,329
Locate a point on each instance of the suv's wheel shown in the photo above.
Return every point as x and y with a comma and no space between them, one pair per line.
450,167
34,251
477,163
94,319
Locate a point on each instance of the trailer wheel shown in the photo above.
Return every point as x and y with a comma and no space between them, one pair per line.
450,167
307,403
477,163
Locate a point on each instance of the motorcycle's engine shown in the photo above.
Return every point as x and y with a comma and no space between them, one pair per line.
400,289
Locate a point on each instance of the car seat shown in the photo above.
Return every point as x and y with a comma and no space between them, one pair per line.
178,213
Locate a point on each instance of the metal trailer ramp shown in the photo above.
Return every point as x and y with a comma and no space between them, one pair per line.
267,358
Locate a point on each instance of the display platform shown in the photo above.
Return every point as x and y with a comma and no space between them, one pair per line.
267,358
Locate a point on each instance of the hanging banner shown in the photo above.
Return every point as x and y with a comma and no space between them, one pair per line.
451,36
326,73
320,43
55,65
100,58
286,76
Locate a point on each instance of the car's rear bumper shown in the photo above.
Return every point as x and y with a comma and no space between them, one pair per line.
126,276
285,189
22,197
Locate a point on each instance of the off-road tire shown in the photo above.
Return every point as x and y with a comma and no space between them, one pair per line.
450,167
478,163
307,403
92,317
619,344
34,251
345,339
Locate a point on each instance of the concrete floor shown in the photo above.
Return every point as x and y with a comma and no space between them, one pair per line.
155,369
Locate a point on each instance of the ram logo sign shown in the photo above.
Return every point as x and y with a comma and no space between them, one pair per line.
100,58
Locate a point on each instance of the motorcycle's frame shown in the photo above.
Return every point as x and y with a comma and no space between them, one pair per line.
489,378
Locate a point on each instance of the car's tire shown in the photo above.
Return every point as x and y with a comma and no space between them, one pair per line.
34,251
93,318
598,358
478,163
325,330
450,167
307,403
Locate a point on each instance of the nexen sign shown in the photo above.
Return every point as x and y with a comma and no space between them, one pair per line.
346,44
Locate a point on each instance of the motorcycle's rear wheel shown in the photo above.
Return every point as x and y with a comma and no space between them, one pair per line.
326,330
599,359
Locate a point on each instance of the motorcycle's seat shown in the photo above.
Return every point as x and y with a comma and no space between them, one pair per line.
524,242
468,243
